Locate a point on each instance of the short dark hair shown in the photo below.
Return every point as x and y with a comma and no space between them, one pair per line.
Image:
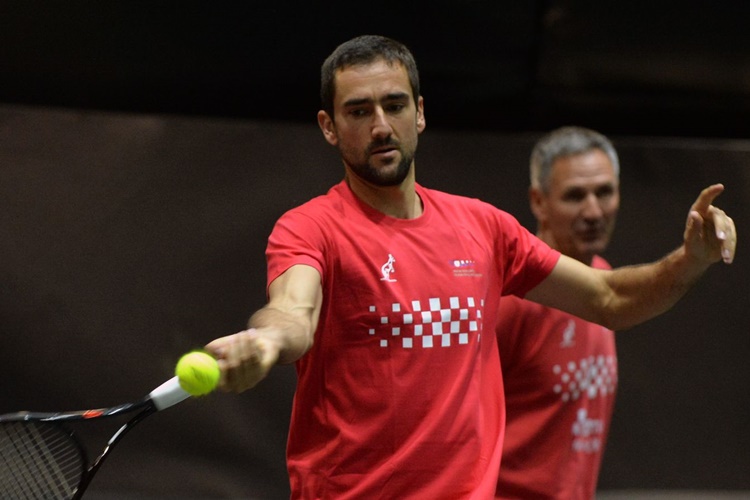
363,50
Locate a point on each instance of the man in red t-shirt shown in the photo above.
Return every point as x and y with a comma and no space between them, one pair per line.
384,294
559,371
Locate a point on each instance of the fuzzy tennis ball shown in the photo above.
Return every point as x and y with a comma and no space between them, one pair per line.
198,373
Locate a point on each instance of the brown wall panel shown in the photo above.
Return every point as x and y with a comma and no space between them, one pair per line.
129,239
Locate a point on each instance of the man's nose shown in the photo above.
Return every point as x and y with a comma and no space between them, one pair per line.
380,126
592,208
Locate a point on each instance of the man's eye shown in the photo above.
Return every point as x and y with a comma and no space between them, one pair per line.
574,196
396,107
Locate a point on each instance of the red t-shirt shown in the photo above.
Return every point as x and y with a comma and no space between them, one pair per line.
400,395
560,376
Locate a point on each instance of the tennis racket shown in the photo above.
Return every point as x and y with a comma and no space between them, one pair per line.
41,458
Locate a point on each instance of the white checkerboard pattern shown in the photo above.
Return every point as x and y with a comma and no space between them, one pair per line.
589,377
432,323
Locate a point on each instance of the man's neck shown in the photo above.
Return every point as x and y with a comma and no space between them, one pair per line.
401,201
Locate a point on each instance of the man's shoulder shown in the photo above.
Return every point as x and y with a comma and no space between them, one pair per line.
321,203
444,195
443,198
472,211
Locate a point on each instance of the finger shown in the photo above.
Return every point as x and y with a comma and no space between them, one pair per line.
236,361
244,367
224,378
218,347
706,197
718,224
228,352
726,232
723,224
252,352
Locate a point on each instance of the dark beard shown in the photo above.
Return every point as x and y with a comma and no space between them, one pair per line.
377,177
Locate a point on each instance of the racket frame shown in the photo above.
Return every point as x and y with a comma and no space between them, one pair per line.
167,394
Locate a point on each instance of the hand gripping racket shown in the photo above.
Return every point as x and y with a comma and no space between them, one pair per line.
41,458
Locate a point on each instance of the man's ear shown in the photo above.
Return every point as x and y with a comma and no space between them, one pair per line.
538,203
421,123
325,122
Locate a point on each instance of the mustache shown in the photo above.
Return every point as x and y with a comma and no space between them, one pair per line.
598,226
389,142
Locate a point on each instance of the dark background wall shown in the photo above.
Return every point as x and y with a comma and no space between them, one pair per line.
146,150
640,67
129,239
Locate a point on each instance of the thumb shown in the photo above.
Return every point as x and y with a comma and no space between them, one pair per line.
693,226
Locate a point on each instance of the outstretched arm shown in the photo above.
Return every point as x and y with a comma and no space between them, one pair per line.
624,297
280,332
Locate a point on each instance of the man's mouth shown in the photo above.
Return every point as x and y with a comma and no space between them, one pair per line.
591,232
386,153
382,150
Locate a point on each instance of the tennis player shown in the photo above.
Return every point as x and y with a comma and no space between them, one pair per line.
384,294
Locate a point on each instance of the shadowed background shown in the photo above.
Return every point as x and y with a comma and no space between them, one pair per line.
145,152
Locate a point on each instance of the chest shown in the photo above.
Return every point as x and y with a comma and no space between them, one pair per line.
419,288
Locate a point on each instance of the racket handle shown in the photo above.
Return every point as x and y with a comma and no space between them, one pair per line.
167,394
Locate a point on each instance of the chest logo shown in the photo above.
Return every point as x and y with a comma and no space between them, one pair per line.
569,335
465,268
387,269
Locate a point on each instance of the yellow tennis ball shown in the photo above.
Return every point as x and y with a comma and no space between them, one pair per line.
198,373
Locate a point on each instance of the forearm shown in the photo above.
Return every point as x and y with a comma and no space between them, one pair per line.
639,293
631,295
620,298
280,332
642,292
290,332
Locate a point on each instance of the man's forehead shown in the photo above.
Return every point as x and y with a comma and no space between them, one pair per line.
378,61
378,73
586,162
582,170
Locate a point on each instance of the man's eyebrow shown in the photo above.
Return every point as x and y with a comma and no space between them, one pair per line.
394,96
358,102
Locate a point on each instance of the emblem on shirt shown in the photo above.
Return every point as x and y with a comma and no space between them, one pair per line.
569,334
465,268
387,269
587,433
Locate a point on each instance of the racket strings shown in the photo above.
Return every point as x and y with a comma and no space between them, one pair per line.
38,460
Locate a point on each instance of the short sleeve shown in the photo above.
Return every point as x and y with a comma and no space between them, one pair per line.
295,239
527,260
